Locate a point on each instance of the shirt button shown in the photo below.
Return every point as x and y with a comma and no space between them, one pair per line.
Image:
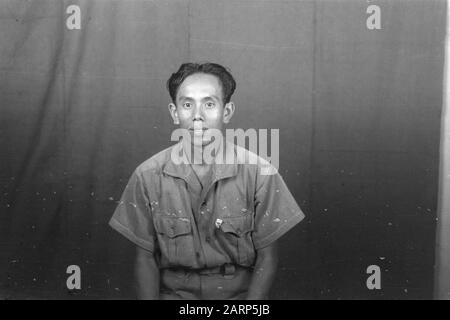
208,238
197,254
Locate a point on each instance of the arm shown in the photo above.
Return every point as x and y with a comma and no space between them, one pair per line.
147,275
264,272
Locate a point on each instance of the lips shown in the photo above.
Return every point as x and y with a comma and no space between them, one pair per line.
198,128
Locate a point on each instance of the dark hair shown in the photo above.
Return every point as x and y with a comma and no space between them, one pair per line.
187,69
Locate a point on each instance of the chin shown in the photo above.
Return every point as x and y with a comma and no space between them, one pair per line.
202,143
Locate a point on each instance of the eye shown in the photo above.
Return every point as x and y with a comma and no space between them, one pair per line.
210,105
187,105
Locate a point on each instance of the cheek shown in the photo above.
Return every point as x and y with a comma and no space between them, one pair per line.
184,114
214,115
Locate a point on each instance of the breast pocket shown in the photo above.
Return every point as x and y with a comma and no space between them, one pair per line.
175,240
234,234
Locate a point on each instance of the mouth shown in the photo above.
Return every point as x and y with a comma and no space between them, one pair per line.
198,130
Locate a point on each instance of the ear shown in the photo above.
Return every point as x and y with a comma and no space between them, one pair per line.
174,113
228,111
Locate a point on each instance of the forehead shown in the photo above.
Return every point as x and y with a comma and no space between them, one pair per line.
200,84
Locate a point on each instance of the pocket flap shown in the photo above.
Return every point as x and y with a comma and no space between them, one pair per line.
237,225
173,227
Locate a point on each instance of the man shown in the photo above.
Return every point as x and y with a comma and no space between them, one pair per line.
204,229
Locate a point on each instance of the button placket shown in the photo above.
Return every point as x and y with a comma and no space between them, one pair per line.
203,208
172,230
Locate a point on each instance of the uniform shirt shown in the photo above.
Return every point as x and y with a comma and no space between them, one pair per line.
165,210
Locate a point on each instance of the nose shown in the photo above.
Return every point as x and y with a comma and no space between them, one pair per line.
198,113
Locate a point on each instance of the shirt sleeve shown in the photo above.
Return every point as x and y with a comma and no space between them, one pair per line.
276,210
132,217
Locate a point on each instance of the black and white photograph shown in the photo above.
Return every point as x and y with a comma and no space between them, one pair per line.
226,150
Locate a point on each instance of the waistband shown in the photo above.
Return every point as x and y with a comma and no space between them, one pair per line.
227,269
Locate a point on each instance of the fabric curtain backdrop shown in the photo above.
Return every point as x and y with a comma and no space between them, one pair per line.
358,112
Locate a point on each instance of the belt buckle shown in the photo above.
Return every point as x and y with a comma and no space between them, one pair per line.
228,270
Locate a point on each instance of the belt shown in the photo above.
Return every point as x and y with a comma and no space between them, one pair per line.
226,269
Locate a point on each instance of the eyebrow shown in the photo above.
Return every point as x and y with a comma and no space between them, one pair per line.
213,96
205,98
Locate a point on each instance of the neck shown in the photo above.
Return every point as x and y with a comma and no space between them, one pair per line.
197,152
202,155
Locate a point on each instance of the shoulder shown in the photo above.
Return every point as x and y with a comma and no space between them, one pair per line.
154,164
254,161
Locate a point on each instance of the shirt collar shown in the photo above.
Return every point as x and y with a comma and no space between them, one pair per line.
182,169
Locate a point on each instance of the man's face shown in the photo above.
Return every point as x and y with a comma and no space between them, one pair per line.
199,106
